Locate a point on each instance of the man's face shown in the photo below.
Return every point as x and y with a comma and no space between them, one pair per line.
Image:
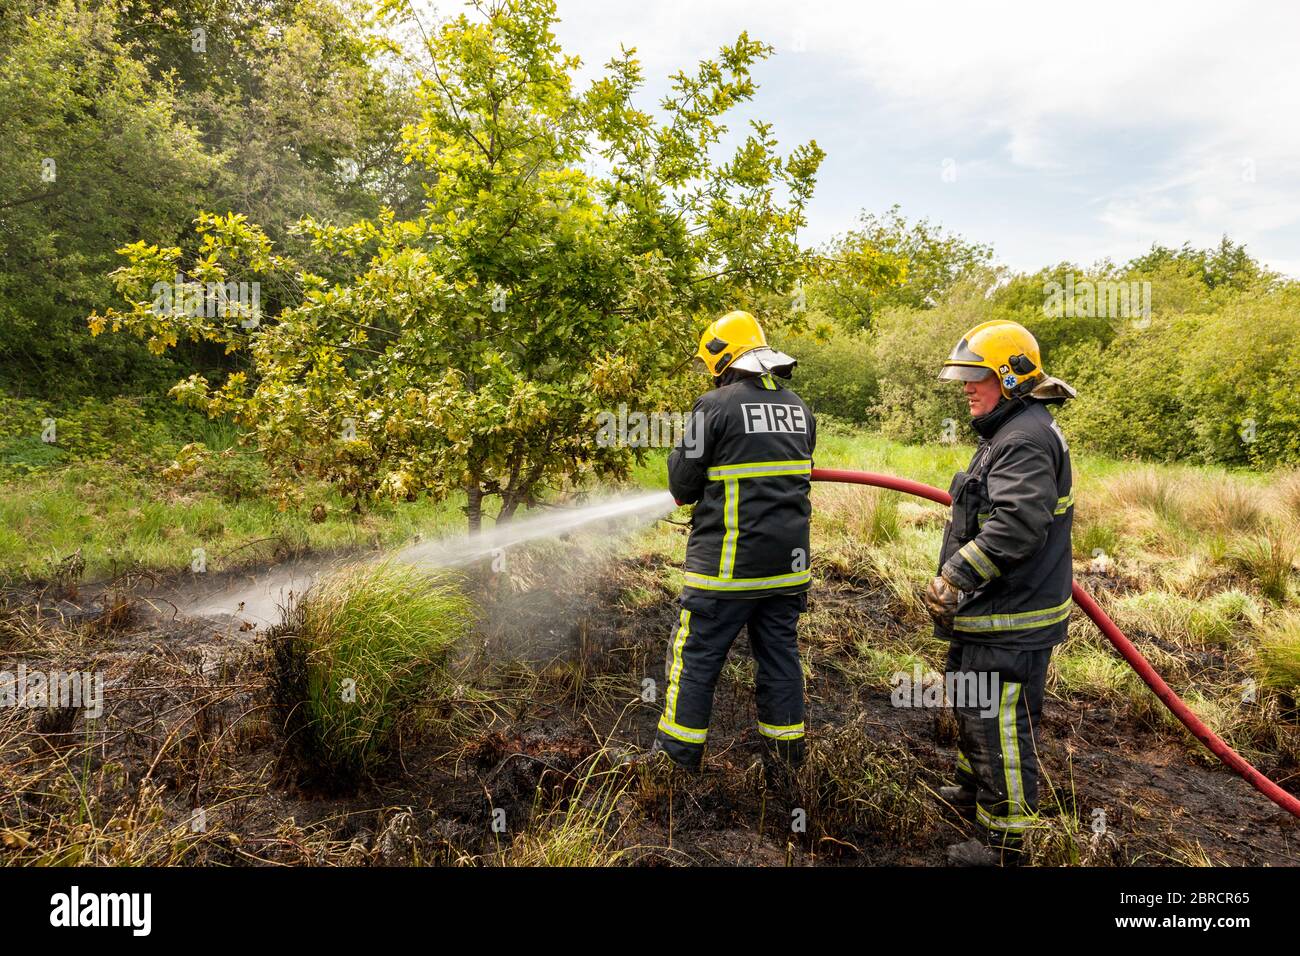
982,396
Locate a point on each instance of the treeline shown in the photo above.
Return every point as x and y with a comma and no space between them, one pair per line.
374,203
1178,355
122,120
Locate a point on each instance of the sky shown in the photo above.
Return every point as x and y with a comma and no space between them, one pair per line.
1053,132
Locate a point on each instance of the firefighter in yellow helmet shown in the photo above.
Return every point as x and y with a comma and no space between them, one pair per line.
1002,592
745,463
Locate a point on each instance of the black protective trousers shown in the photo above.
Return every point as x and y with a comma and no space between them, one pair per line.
705,630
999,701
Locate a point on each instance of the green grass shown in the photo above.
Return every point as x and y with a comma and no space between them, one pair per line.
366,645
1278,662
121,520
1086,669
1172,617
583,832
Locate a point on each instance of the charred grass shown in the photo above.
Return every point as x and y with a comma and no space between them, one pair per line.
526,747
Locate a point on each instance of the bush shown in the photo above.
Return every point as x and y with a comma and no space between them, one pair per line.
836,375
910,347
365,646
140,433
1209,387
232,474
1130,403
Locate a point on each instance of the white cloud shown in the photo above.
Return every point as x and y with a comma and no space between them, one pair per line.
1170,100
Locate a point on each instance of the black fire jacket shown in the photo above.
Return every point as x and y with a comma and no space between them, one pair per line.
745,461
1007,545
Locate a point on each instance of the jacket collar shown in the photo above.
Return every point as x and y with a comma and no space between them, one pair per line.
987,425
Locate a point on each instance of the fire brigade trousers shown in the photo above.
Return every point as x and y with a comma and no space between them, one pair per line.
999,701
705,630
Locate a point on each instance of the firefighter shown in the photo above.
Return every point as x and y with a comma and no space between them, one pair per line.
1002,592
745,463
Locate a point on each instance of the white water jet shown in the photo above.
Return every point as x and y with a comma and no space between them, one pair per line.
257,599
450,552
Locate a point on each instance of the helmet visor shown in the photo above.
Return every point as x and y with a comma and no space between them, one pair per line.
765,359
965,373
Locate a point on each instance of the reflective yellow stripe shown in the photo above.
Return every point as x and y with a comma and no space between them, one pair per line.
675,673
730,476
768,383
978,560
788,732
731,517
1008,822
1062,506
1010,735
708,582
1023,621
963,762
686,734
761,469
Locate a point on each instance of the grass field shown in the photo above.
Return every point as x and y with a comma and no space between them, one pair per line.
531,714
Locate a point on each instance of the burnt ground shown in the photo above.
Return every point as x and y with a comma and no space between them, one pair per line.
551,687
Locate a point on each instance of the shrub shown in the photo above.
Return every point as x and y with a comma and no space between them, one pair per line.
1215,385
836,375
1130,402
364,646
232,474
910,347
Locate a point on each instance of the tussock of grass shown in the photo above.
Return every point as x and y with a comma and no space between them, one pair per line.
904,569
1284,495
1147,489
855,788
1278,661
739,671
863,515
1181,620
1060,838
876,664
1225,714
1095,533
1087,669
1269,559
363,648
1225,506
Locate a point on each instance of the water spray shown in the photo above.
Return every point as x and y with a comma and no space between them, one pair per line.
452,552
258,600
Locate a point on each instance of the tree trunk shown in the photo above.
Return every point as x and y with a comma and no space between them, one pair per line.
509,505
474,506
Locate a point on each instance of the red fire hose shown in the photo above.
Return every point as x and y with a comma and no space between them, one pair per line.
1131,654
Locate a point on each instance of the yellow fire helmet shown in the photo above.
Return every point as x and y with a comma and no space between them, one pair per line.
737,341
1005,349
